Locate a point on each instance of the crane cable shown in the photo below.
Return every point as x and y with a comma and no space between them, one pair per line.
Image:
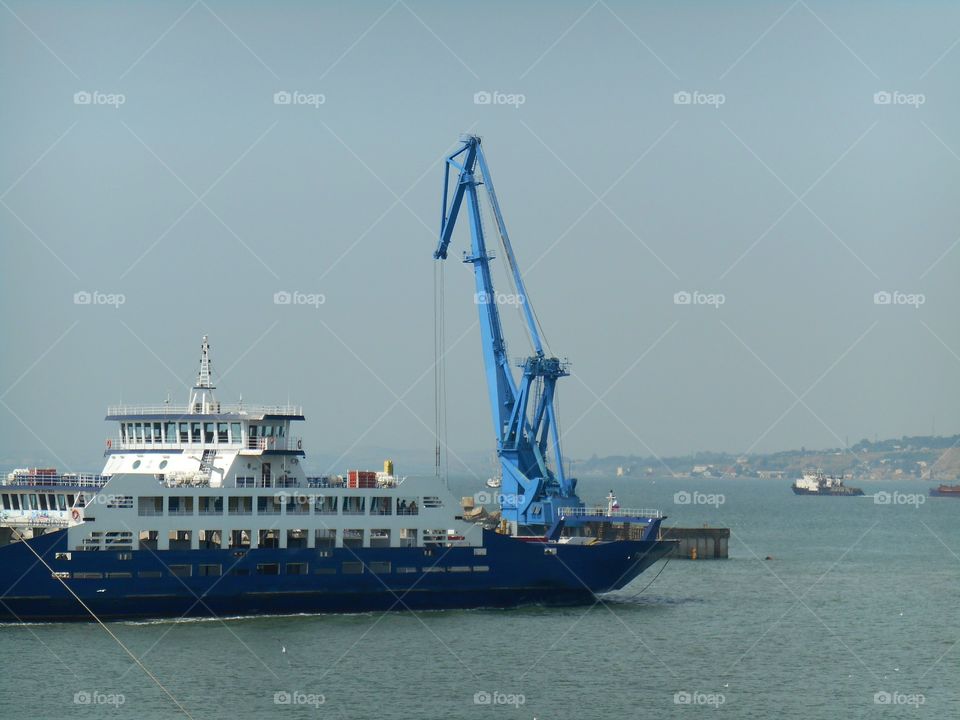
439,370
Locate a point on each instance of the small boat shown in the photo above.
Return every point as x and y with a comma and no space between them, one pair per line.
820,484
945,491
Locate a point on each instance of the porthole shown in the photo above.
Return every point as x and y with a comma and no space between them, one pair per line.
136,464
163,464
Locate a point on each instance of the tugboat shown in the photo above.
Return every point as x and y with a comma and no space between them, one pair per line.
819,484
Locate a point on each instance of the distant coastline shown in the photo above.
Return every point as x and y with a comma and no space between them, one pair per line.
923,458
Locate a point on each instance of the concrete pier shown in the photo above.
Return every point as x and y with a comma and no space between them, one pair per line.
704,543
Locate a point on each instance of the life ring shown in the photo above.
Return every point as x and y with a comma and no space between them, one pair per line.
109,443
75,514
299,444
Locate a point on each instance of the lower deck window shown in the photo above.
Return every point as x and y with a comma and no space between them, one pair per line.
87,576
352,568
324,571
268,568
296,568
148,574
406,570
210,570
181,570
118,575
380,567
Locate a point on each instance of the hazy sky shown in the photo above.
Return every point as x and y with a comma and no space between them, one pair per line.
785,184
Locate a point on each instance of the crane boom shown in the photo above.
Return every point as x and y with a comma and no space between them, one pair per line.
533,489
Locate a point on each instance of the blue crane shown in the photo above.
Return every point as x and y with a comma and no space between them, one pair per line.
534,491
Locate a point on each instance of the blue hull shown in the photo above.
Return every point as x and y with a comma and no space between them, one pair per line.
143,586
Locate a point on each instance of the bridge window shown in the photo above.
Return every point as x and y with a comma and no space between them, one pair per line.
235,435
222,432
208,433
138,432
43,502
6,501
184,432
171,432
157,438
195,432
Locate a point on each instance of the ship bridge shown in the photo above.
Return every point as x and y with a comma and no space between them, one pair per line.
201,440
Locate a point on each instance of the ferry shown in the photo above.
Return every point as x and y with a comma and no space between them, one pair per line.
206,510
819,484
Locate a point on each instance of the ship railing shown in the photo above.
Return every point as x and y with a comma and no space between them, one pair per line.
35,519
217,408
275,443
67,479
602,513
